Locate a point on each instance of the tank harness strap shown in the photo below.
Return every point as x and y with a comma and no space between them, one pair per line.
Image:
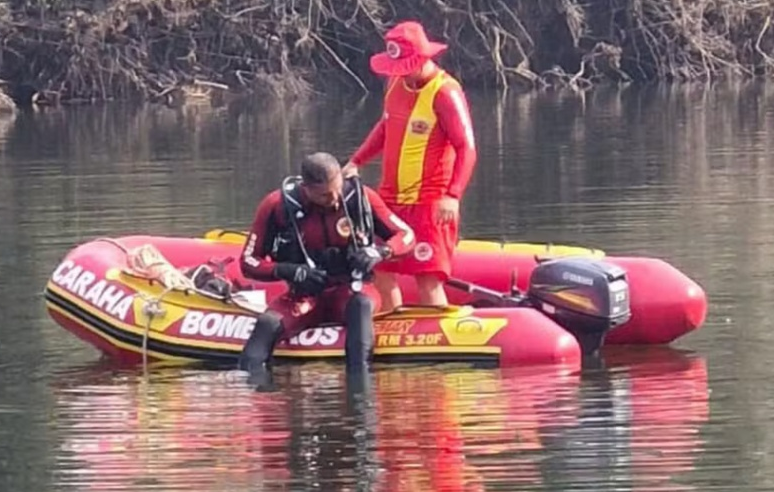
360,210
357,210
294,211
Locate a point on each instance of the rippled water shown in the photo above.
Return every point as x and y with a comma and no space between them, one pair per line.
410,428
681,174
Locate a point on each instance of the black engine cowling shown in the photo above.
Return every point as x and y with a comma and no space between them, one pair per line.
588,297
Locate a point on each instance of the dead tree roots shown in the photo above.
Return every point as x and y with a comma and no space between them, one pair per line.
182,50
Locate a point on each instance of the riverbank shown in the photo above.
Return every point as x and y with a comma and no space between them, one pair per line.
173,51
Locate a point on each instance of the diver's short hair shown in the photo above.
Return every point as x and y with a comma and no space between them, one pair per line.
319,168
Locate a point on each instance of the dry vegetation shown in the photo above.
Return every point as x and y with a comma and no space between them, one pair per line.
169,50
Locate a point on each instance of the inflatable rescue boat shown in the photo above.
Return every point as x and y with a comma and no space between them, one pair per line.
176,298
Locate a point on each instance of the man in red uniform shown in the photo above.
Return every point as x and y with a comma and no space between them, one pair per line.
426,140
323,235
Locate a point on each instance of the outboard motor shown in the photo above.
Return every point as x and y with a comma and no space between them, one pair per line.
587,297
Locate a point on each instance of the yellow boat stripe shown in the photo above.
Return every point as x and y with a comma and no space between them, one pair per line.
308,353
539,249
162,356
226,236
474,245
186,342
122,345
438,349
427,349
423,312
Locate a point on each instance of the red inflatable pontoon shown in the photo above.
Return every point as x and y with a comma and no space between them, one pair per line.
129,297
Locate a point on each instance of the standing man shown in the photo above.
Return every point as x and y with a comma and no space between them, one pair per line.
426,140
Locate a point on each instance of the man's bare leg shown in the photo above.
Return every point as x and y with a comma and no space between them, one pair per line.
387,285
430,290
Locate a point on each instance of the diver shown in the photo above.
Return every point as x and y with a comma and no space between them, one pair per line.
323,235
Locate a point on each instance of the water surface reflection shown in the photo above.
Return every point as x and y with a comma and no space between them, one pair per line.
633,423
682,174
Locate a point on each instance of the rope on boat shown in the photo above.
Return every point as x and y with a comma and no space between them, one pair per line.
148,262
114,242
151,309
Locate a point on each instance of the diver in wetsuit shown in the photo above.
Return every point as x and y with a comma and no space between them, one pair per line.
323,235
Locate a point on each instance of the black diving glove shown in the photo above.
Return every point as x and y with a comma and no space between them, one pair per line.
364,259
303,279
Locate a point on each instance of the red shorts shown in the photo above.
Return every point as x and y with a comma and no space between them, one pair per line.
435,242
300,313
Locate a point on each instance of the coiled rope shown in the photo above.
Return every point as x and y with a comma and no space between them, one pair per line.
148,262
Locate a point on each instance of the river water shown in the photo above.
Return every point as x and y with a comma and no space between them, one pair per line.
681,174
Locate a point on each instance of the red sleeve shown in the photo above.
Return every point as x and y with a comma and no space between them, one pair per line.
255,262
451,108
374,142
389,227
371,146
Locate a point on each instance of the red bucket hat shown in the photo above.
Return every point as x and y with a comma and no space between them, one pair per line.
407,49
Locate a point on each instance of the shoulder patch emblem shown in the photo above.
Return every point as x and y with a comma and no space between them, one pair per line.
343,227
